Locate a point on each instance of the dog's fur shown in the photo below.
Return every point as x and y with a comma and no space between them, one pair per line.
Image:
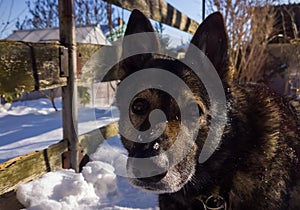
256,166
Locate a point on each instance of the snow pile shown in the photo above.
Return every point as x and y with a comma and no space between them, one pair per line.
101,176
60,190
113,153
97,187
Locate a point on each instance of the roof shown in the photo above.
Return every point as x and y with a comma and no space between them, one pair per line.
86,34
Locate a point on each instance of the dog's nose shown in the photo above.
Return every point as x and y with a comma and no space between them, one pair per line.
148,169
155,175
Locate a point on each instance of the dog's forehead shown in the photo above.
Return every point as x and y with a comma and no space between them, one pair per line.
165,63
149,93
158,99
183,72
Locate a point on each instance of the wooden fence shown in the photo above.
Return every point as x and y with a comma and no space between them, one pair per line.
37,66
160,11
31,166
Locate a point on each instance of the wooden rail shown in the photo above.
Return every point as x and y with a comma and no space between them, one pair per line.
32,66
36,66
30,166
160,11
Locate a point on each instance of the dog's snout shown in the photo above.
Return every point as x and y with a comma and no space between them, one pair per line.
155,175
153,179
148,169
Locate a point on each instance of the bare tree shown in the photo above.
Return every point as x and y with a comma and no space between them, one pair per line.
7,17
4,22
250,28
44,14
90,12
164,39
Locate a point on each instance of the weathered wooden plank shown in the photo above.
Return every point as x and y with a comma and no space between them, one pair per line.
99,63
90,141
160,11
31,66
110,130
19,60
31,166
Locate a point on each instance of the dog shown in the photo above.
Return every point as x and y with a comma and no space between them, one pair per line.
256,164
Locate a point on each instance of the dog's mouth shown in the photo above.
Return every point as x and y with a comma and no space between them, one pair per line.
169,181
164,165
153,179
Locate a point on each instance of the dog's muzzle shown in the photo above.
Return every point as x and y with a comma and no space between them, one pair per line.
150,169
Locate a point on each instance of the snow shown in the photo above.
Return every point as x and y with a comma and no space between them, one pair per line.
28,126
97,187
48,192
34,125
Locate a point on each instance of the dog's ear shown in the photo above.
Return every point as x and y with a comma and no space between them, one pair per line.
211,38
138,23
138,46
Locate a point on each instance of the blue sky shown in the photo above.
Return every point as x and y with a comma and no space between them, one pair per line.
10,10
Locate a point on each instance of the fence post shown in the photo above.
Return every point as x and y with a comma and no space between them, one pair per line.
69,92
203,10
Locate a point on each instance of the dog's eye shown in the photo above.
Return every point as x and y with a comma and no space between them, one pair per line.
195,109
200,111
140,106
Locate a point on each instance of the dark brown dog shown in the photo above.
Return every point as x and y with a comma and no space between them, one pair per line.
256,165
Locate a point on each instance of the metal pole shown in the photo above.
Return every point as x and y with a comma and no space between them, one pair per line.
69,92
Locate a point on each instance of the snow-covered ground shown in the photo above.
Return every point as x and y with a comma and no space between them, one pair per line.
33,125
97,187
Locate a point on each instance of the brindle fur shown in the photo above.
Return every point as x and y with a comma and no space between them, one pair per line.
256,166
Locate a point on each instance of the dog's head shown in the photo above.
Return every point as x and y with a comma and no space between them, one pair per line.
171,156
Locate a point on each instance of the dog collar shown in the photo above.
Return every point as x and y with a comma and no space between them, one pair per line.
213,201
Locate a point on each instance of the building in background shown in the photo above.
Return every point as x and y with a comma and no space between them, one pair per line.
87,34
89,40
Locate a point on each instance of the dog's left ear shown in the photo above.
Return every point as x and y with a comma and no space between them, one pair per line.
138,46
211,38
